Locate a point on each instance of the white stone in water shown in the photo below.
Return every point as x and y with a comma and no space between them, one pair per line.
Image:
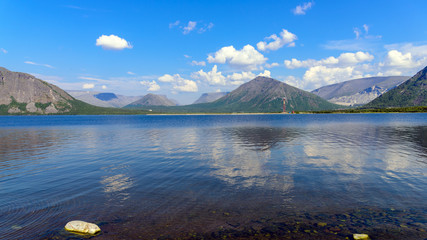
82,227
360,236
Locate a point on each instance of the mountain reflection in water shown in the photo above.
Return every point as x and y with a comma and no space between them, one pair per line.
205,176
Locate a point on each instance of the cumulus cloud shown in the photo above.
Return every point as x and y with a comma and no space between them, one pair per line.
179,83
242,77
131,73
403,59
190,27
212,77
168,78
266,73
247,58
196,63
397,59
330,70
88,86
39,64
345,59
285,38
152,86
3,50
186,86
267,65
302,9
319,76
112,42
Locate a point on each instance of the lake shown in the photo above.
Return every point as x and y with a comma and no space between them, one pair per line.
323,176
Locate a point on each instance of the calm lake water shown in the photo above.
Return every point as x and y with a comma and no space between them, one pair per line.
215,176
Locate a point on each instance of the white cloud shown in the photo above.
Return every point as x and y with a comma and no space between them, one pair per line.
357,32
302,9
293,81
131,73
3,50
248,58
179,83
112,42
95,79
206,27
174,24
366,28
186,86
88,86
213,77
38,64
104,87
195,63
319,76
168,78
345,59
267,65
152,86
190,27
187,56
240,78
266,73
397,59
286,38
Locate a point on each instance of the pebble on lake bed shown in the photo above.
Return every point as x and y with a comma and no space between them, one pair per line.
82,227
360,236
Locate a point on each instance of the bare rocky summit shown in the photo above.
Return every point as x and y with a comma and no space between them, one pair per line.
22,93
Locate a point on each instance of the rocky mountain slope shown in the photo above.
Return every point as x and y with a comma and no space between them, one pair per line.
264,94
152,100
104,99
210,97
412,92
358,91
22,93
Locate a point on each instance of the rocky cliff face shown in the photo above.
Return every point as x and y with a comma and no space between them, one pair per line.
358,91
23,93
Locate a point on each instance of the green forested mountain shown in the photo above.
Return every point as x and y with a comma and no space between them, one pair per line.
411,93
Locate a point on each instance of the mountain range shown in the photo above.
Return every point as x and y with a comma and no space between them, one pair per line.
261,94
22,93
102,99
358,91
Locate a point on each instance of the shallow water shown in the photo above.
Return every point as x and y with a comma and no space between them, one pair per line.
215,176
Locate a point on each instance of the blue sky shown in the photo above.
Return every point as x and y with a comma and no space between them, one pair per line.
185,48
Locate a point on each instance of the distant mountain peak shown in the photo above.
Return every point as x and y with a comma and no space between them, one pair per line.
153,100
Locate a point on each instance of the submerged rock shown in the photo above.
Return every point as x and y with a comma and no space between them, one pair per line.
82,227
360,236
